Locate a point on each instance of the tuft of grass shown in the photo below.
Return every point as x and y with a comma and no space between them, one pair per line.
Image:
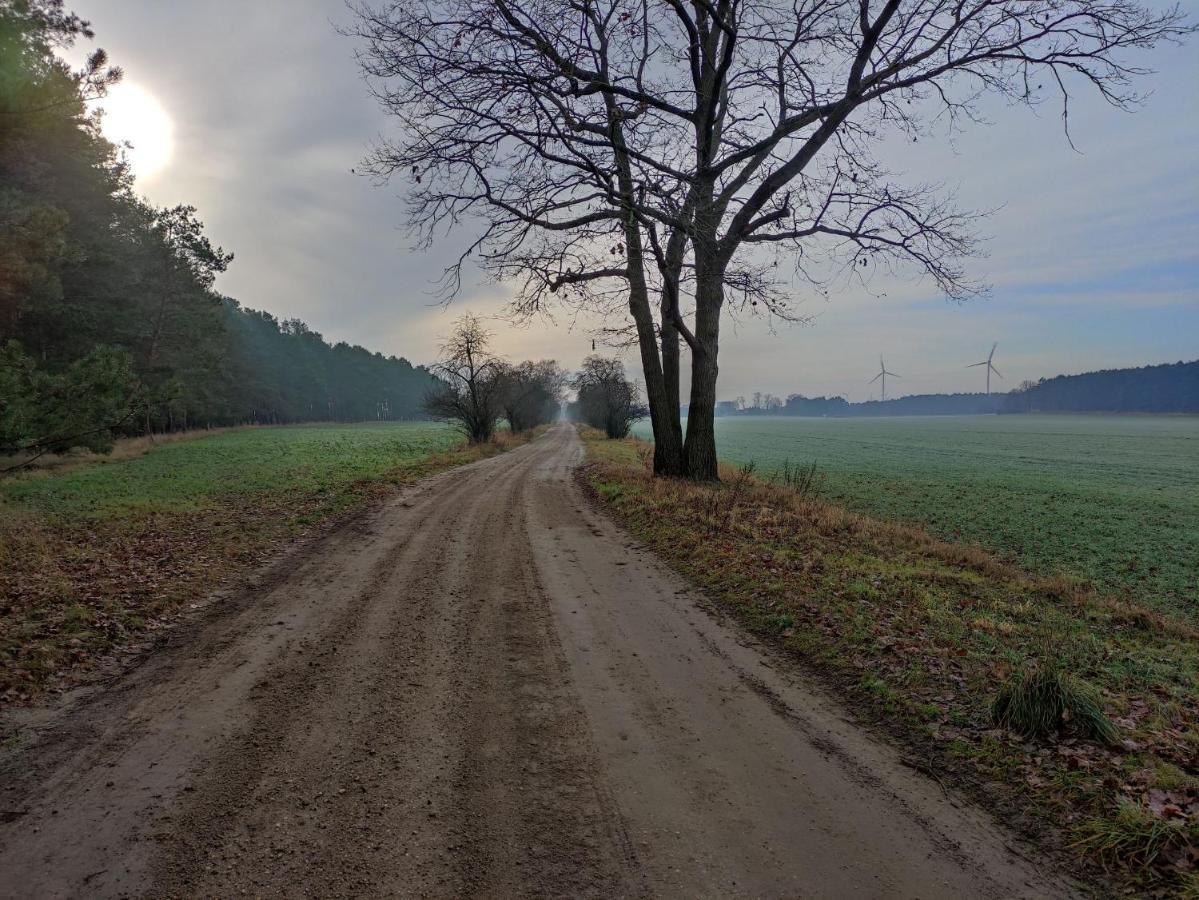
1042,700
1134,836
798,478
610,491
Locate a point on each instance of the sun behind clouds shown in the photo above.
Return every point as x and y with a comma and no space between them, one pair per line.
132,114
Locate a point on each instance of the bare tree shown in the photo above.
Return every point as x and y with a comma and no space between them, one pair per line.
606,398
530,393
469,395
621,152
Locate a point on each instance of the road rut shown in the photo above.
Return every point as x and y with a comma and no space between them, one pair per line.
482,688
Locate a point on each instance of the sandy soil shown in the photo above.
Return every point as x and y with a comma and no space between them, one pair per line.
482,688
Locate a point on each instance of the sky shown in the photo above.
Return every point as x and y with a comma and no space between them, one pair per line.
1092,253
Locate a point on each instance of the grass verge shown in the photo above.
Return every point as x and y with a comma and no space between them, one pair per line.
926,638
1106,498
93,557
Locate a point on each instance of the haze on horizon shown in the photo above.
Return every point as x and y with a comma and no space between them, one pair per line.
1093,254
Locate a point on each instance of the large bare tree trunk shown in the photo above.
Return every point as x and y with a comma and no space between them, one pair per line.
668,449
670,266
699,449
670,464
668,446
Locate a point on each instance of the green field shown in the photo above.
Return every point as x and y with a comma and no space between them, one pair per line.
206,470
94,553
1113,499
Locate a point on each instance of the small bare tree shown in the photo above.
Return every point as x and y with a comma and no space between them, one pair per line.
610,152
531,393
606,398
469,393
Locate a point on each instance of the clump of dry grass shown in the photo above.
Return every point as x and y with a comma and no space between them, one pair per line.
1041,700
1134,836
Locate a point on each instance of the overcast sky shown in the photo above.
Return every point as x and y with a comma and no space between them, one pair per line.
1093,255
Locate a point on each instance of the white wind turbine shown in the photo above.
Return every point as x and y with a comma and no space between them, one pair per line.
883,373
990,367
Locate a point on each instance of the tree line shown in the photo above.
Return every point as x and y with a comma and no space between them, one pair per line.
912,405
478,389
1166,388
109,322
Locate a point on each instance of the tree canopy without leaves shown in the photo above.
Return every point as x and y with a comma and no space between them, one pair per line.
530,393
606,398
478,388
661,157
469,395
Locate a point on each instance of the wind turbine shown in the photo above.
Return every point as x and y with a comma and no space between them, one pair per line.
990,367
883,373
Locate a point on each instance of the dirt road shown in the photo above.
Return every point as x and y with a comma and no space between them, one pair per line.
480,689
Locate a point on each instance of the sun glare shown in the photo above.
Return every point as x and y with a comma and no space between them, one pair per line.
133,114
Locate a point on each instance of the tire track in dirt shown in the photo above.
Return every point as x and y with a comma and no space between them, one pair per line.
435,755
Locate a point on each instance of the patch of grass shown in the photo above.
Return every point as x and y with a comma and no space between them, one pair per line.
921,635
1134,836
1041,700
1109,500
609,491
123,448
93,555
190,475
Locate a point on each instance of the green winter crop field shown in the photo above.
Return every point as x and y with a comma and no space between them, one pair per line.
94,553
298,459
1111,499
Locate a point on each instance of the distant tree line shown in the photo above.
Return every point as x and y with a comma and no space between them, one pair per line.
477,389
914,405
109,323
1168,388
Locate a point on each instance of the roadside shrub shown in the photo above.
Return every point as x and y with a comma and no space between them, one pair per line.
1042,699
803,480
